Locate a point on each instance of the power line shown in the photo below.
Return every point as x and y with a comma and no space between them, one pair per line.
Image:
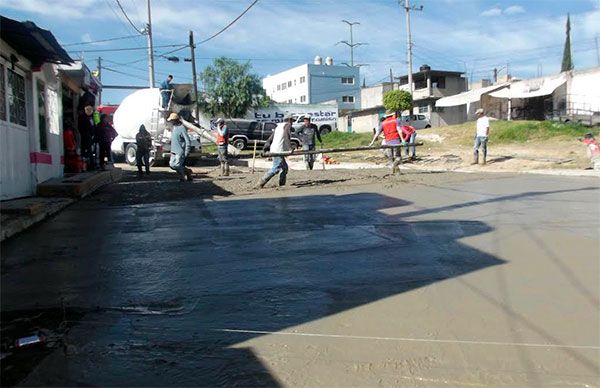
127,17
123,73
100,41
123,49
230,24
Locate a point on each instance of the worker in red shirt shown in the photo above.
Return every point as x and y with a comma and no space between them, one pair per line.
392,131
408,136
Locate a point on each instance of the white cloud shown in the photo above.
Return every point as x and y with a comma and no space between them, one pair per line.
514,9
492,12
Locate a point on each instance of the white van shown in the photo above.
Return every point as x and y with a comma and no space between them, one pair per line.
416,121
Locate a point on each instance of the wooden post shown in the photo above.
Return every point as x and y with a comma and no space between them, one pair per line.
253,156
322,159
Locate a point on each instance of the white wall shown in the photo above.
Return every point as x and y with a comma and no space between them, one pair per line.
46,164
293,92
583,89
15,171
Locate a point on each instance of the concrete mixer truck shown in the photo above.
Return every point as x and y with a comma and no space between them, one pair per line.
144,107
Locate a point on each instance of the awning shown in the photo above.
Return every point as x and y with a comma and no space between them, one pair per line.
34,43
531,88
468,97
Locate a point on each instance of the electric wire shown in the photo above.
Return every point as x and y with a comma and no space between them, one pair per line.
100,41
127,17
230,24
124,49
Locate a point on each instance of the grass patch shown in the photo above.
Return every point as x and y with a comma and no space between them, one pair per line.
523,131
346,139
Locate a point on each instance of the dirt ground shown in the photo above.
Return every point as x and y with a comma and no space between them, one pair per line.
506,158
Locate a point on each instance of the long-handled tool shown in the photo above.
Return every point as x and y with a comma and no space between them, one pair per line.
332,150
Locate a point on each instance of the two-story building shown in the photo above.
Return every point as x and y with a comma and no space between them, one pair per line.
316,83
431,85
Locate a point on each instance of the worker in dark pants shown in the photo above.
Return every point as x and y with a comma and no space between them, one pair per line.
105,134
308,132
143,140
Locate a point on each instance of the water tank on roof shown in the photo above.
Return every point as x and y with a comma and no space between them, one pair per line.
318,60
424,68
329,61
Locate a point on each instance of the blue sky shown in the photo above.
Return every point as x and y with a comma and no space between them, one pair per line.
464,35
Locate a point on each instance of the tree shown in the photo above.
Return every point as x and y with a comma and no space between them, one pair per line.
397,100
567,62
230,89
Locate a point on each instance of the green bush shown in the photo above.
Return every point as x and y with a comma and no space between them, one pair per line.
346,139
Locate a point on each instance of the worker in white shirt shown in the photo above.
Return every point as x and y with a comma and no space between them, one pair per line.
481,137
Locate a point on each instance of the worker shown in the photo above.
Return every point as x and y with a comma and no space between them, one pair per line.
392,130
308,132
143,140
105,134
222,143
165,91
180,148
593,150
87,129
408,136
279,141
481,136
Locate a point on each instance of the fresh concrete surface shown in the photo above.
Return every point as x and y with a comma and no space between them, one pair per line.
469,281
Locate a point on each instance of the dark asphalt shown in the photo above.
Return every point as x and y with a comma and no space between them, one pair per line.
155,283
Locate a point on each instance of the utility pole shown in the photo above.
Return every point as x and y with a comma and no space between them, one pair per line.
192,47
351,44
495,75
150,47
408,8
99,69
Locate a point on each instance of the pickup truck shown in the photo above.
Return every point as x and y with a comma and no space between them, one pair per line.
243,133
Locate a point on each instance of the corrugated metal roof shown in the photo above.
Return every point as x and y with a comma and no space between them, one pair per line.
36,44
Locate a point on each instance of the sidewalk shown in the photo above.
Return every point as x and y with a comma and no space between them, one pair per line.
53,196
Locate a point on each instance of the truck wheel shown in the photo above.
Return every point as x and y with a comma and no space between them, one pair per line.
130,152
240,144
325,129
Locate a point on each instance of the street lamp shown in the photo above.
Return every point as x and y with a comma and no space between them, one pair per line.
351,44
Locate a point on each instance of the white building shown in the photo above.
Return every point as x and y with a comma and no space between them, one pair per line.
31,143
315,83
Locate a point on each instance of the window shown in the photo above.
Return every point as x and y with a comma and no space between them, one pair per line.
294,82
289,84
2,94
283,86
302,79
423,108
278,87
42,117
349,99
348,80
289,101
421,117
439,109
302,98
16,98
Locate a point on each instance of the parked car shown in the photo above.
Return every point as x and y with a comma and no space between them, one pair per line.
417,121
324,124
243,133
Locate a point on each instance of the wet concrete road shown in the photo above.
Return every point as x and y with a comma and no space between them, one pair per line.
480,282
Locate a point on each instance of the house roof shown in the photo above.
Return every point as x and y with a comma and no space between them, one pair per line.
468,97
36,44
531,88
